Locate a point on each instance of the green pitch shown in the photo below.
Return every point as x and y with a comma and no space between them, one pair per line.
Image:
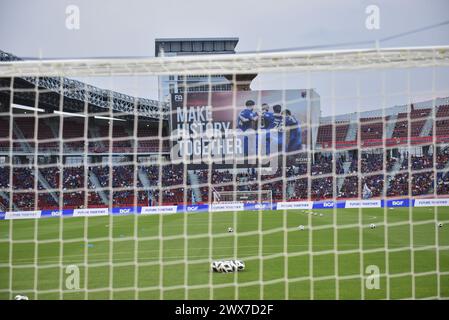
168,256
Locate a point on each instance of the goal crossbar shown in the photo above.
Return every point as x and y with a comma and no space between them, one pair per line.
242,196
290,61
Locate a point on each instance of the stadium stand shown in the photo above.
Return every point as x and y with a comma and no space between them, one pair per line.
174,177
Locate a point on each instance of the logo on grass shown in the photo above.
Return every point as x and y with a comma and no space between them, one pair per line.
72,282
372,281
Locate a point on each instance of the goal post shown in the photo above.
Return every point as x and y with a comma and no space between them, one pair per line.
262,196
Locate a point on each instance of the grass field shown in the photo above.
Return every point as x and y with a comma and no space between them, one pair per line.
120,257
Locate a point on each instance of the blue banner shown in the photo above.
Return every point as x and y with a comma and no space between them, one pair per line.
398,203
56,213
223,207
193,208
125,211
259,206
328,204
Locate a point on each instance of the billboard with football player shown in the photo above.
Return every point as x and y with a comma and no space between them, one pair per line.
243,128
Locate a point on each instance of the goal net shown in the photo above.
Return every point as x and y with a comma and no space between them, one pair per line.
121,178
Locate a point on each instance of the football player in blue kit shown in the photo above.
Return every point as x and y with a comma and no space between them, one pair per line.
293,128
267,121
247,117
248,120
267,124
278,123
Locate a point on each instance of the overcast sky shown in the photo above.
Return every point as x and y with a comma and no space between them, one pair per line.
113,28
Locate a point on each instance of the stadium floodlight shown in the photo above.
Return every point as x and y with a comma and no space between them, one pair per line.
109,118
355,165
70,114
18,106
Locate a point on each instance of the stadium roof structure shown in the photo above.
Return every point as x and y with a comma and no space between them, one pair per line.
102,98
194,46
197,39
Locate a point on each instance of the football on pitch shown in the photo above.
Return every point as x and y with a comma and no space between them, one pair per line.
226,266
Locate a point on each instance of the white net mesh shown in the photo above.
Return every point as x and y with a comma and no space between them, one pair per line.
341,192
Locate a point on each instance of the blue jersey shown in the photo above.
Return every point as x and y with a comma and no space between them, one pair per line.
277,123
294,130
277,120
267,120
245,120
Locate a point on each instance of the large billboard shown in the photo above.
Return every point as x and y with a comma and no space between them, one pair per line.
241,128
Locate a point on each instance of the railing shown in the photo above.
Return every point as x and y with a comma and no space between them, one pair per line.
100,150
389,142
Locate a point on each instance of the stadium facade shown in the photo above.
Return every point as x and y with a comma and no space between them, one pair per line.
170,47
